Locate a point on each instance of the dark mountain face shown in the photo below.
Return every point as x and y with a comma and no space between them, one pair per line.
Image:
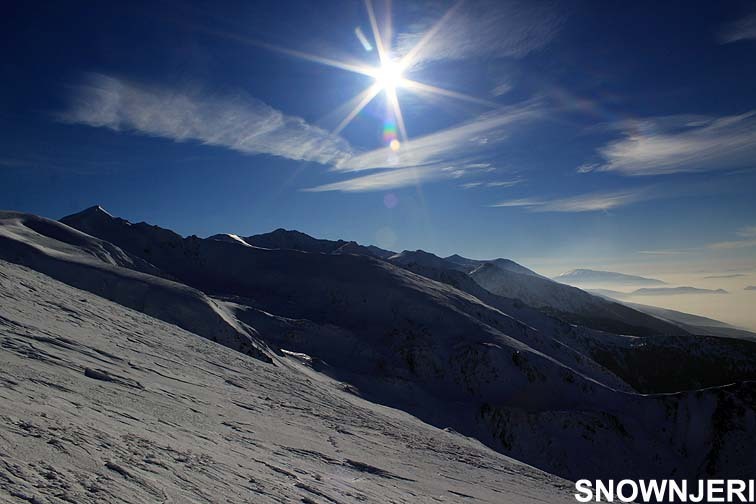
295,240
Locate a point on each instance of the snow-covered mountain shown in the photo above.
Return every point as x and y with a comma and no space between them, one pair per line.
229,238
569,303
295,240
101,403
468,265
104,269
595,277
415,334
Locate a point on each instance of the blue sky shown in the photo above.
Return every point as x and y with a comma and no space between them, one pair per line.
574,134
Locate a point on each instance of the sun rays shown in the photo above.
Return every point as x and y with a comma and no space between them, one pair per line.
389,75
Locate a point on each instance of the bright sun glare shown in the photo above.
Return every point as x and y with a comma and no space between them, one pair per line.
389,76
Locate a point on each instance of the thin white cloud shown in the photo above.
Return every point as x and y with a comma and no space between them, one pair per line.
521,202
747,232
385,180
242,123
503,183
747,239
665,252
448,154
662,147
459,145
485,28
247,125
588,167
592,202
494,183
742,29
501,89
471,185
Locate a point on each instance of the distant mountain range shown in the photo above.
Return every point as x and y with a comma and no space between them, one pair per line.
674,291
589,276
570,382
655,291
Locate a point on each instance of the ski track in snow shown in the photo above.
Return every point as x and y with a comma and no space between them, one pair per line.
100,403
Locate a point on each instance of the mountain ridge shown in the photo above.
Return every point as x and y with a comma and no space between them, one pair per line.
403,339
584,275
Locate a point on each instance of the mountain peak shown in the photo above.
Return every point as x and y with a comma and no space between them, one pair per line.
93,213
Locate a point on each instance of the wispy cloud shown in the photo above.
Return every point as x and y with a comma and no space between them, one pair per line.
742,29
654,147
665,252
485,28
494,183
503,183
240,123
449,154
471,185
247,125
501,89
413,175
591,202
461,145
747,239
384,180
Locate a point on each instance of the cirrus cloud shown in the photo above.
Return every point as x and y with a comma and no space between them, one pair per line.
240,123
591,202
666,145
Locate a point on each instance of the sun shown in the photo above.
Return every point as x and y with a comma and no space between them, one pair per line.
389,76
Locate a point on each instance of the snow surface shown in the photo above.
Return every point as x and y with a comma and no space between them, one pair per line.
231,238
101,403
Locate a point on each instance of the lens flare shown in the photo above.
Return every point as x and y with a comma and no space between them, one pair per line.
389,131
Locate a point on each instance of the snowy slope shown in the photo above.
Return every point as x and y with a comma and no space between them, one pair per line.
570,303
640,360
468,265
100,403
106,270
229,238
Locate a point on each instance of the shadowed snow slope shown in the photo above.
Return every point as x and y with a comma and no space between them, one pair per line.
106,270
589,276
570,303
468,265
641,361
451,359
100,403
295,240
